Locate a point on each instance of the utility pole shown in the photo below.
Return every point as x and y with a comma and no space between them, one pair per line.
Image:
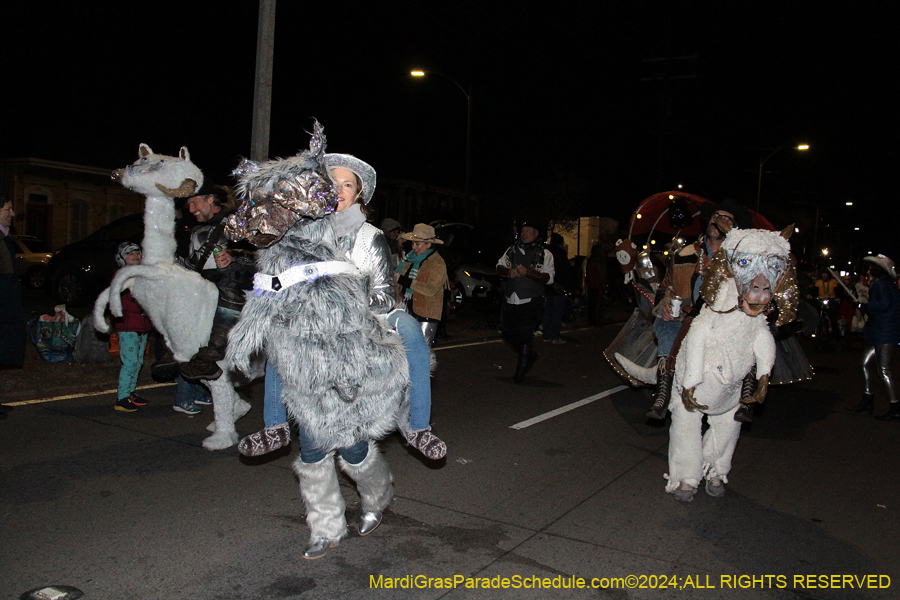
262,89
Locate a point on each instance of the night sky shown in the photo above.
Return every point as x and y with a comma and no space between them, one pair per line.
568,120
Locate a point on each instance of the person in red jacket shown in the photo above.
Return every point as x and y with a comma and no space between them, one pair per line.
132,328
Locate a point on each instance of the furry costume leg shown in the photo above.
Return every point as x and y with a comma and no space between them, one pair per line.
324,503
685,453
228,407
374,482
719,443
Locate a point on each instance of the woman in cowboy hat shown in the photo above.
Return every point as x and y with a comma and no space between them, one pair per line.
881,334
421,279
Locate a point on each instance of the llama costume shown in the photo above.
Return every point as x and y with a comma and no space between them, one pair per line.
343,370
180,303
725,341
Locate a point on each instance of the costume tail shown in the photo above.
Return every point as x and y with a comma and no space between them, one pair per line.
644,374
100,323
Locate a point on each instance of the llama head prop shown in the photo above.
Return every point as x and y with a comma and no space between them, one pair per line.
174,176
277,193
750,269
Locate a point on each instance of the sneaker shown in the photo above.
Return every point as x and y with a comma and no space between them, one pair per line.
203,401
558,341
715,487
137,400
125,405
427,443
265,441
188,410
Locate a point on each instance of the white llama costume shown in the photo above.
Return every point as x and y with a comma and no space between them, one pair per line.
722,345
180,303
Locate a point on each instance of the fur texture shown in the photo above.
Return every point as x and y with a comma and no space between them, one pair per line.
322,497
344,371
373,479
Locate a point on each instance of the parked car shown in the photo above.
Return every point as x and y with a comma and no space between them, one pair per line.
32,256
476,282
81,270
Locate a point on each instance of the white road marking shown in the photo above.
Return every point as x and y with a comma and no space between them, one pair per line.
567,408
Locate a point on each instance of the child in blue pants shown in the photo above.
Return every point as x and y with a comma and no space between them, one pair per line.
132,329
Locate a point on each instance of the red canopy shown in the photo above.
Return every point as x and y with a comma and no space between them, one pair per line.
652,214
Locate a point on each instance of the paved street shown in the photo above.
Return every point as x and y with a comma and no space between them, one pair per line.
131,506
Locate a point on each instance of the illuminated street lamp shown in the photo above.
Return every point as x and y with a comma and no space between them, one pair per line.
468,95
762,161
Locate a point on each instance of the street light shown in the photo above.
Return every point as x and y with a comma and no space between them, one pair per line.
468,96
762,161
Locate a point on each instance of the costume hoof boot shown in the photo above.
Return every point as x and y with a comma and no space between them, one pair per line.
427,443
744,413
685,493
319,548
893,413
715,487
369,522
663,391
265,441
866,405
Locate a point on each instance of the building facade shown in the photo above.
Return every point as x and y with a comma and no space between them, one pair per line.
60,202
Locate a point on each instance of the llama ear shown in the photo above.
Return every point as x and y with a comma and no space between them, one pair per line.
787,231
144,150
184,154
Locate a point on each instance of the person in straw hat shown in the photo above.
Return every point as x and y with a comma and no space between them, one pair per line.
421,279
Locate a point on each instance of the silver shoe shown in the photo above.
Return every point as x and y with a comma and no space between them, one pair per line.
319,548
715,487
369,522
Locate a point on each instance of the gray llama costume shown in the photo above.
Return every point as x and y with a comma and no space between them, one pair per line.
344,371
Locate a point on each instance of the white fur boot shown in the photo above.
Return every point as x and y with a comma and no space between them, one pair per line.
321,494
225,402
374,482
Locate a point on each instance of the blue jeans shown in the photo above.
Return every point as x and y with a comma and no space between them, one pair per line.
131,353
274,412
187,393
418,355
554,308
310,454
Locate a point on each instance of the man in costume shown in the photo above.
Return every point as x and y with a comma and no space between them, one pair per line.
682,281
528,267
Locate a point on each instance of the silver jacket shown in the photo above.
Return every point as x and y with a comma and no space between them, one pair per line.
368,249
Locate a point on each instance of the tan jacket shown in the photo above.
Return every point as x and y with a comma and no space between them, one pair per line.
428,287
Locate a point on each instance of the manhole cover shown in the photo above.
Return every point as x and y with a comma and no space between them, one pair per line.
53,592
